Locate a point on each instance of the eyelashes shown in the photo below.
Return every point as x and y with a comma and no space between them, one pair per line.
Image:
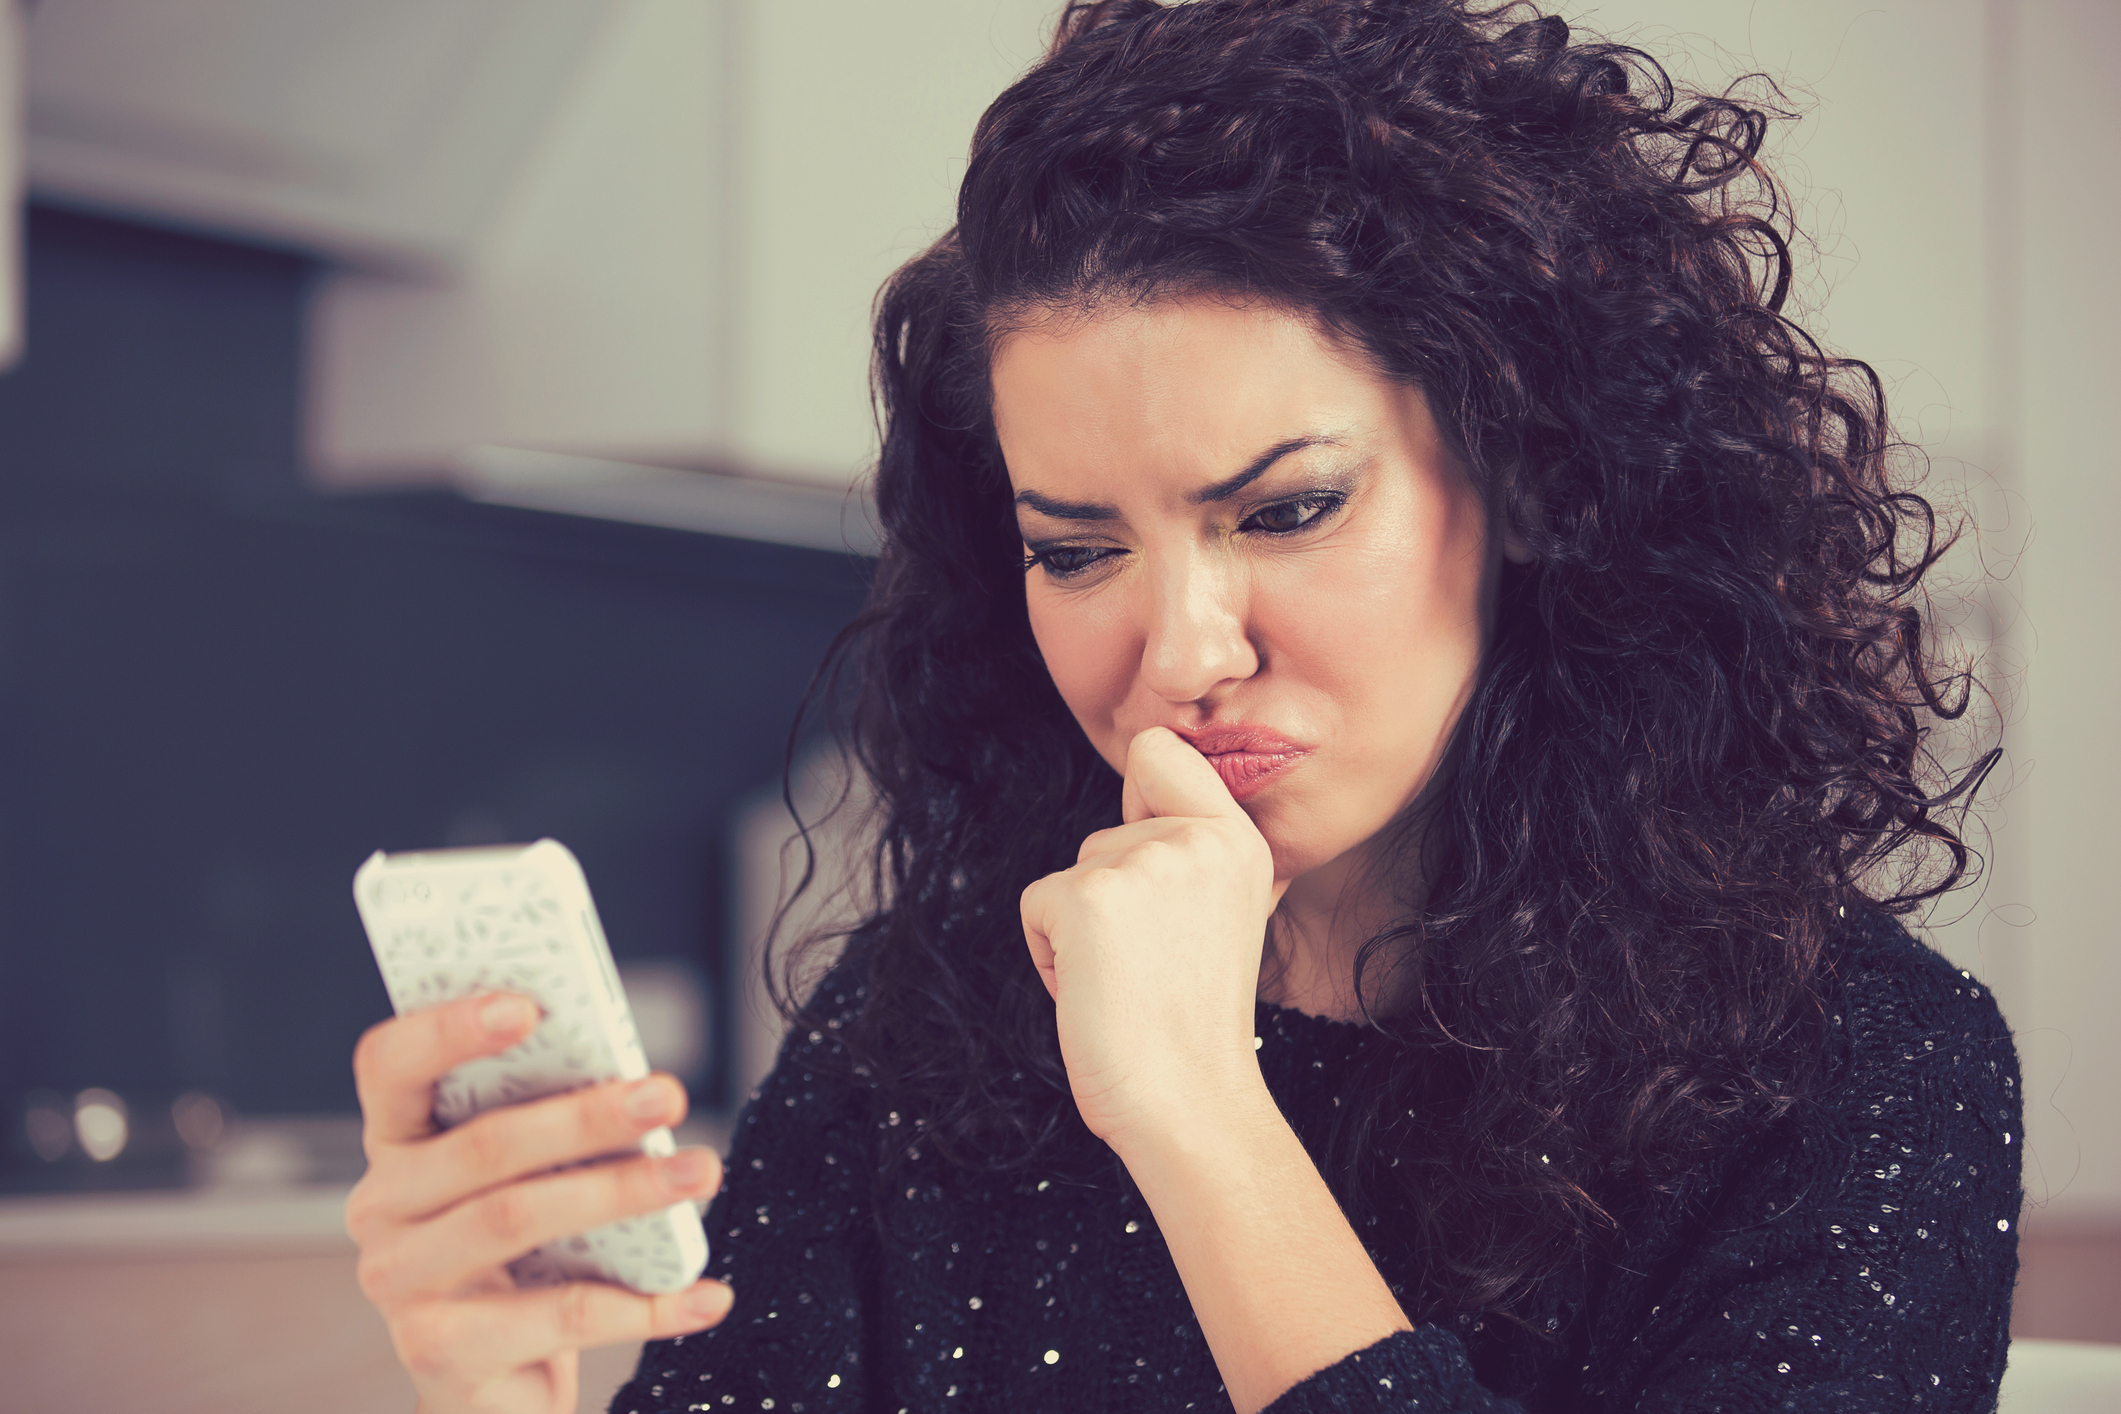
1066,561
1298,513
1279,519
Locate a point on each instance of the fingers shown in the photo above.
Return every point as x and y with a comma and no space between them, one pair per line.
1165,776
398,1062
1037,933
584,1315
520,1328
496,1227
519,1140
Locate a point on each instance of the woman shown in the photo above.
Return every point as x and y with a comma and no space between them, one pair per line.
1444,655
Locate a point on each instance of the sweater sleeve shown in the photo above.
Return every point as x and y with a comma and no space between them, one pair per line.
1423,1369
1859,1257
788,1233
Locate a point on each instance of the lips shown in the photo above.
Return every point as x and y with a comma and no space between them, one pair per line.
1246,758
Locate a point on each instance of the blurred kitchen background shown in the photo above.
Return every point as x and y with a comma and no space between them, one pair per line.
443,421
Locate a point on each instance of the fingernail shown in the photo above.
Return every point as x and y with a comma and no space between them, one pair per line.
507,1014
707,1300
688,1168
653,1098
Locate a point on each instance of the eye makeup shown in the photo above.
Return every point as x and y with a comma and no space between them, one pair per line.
1283,517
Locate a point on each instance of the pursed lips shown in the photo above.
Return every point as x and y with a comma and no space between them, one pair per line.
1246,757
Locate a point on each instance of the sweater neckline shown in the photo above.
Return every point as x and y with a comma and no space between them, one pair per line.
1290,1019
1305,1027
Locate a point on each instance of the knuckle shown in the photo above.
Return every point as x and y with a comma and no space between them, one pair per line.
639,1185
369,1053
596,1116
1096,886
574,1314
1195,835
1162,850
364,1207
506,1216
1097,843
377,1274
425,1339
484,1146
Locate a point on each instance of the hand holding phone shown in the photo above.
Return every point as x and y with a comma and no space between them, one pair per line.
440,1214
449,924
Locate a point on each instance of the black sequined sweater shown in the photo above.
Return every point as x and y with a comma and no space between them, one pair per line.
1857,1256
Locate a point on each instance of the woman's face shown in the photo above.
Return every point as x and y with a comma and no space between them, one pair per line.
1244,533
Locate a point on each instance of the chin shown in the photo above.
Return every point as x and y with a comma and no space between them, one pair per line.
1294,855
1304,837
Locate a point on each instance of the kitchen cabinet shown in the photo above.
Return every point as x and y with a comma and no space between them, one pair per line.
682,276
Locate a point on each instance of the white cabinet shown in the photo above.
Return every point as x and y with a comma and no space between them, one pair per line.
683,273
381,132
593,315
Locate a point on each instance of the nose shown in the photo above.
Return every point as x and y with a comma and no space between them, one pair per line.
1196,639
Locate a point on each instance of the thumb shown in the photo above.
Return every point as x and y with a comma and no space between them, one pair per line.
1166,776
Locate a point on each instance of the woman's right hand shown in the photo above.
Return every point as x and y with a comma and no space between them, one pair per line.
440,1214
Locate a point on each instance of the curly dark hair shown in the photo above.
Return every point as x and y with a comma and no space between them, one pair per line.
1700,738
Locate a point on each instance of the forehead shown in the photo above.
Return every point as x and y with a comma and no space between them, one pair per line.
1195,384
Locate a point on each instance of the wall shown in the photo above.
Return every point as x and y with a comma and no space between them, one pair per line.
2065,306
1956,239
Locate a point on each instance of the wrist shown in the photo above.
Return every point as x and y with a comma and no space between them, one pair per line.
1214,1117
1281,1284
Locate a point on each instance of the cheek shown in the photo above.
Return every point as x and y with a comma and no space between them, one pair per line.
1391,638
1371,644
1092,655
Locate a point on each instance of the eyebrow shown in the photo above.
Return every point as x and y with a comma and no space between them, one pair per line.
1216,491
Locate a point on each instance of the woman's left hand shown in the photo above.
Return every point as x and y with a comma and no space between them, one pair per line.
1151,947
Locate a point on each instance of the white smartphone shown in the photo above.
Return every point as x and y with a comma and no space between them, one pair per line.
452,923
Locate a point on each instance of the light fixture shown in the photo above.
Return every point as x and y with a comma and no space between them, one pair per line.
100,1124
49,1131
199,1118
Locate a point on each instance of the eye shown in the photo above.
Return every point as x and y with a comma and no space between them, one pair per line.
1066,561
1288,517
